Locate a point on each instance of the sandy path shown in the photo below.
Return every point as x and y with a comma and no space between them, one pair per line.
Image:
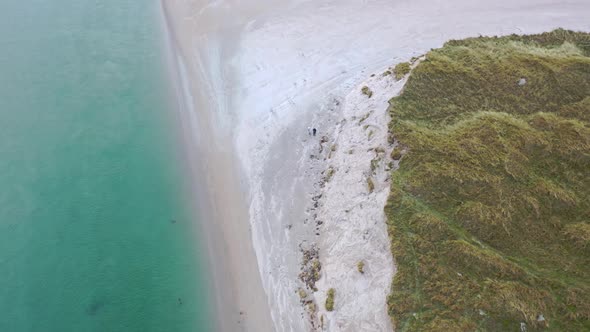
262,71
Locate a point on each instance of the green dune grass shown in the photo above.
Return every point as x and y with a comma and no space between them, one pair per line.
489,212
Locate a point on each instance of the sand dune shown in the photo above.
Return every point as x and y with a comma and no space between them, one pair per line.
257,75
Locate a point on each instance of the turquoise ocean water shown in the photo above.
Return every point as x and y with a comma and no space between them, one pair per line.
95,232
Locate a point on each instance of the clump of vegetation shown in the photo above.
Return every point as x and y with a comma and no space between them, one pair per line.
489,210
332,150
370,184
396,153
375,164
365,117
386,73
390,166
401,70
360,266
366,91
330,299
316,267
330,173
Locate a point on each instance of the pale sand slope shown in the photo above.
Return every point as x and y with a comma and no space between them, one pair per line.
264,73
354,228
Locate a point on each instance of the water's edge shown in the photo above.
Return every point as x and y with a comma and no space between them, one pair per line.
236,290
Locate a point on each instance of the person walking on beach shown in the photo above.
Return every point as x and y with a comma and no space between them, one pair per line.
313,131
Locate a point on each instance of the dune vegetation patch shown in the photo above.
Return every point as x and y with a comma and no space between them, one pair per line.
401,70
489,211
330,299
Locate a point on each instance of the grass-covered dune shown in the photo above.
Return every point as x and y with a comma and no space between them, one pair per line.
489,213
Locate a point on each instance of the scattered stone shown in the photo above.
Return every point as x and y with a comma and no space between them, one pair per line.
310,267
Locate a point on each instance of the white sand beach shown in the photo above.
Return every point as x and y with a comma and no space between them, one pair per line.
254,76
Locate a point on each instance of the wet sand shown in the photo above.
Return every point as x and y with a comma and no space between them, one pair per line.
237,294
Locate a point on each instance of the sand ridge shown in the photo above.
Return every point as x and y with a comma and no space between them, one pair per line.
353,228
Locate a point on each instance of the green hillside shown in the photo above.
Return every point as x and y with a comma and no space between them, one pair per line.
489,212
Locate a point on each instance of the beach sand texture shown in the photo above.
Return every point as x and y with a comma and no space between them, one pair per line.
256,74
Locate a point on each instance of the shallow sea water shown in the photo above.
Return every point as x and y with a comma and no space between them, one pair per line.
95,232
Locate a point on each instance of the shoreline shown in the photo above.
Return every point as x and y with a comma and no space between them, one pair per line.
271,74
